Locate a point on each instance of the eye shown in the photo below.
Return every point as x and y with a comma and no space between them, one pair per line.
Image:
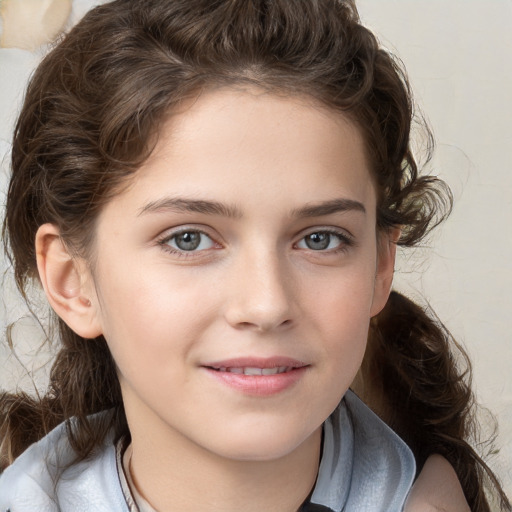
324,241
188,241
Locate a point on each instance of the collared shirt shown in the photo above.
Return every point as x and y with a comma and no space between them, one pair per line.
365,466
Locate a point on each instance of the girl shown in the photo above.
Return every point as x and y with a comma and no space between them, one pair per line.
211,194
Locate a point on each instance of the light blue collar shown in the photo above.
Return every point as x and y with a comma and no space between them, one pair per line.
365,466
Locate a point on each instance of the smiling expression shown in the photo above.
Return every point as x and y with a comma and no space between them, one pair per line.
236,276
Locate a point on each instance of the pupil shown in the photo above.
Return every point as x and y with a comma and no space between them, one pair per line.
188,241
318,241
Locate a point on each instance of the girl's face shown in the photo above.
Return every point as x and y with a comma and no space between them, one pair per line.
235,278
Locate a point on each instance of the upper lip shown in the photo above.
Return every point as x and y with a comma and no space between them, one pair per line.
256,362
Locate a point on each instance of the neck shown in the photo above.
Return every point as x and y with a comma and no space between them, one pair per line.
176,474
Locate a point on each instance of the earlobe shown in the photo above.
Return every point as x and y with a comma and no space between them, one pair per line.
385,269
66,282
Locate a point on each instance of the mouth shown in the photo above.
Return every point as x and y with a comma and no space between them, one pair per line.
256,365
257,376
254,370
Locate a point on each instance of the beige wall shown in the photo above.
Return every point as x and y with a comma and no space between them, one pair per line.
459,57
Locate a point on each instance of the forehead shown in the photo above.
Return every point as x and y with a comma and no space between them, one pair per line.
281,147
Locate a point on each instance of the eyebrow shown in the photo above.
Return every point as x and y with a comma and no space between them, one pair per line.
329,207
179,204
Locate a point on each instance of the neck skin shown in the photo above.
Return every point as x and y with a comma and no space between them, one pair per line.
173,473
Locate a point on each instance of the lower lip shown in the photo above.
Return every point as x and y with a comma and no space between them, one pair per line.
259,385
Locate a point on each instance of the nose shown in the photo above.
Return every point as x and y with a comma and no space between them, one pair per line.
261,294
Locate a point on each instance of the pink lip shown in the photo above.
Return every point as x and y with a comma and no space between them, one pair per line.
258,385
256,362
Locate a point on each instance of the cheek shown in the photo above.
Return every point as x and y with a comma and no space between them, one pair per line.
344,300
342,315
152,313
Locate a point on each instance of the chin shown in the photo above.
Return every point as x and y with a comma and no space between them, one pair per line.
263,446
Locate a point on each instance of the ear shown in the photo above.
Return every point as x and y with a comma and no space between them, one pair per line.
385,269
67,283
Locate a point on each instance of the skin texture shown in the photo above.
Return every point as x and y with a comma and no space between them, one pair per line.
252,288
437,489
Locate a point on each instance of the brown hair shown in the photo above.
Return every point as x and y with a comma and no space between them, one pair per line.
90,117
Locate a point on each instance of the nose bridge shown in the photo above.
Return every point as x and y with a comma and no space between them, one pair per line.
262,290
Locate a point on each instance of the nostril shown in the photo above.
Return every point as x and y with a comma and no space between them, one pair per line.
262,326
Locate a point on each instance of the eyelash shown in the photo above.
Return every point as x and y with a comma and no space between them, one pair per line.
346,242
181,253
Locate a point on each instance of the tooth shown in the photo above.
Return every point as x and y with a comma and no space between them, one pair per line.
222,369
283,369
252,371
270,371
236,370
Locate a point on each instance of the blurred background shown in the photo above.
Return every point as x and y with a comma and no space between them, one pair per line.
458,54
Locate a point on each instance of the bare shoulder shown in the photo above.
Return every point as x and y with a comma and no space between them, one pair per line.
437,489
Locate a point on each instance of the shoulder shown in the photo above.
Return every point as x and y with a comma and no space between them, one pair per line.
437,488
44,478
29,481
